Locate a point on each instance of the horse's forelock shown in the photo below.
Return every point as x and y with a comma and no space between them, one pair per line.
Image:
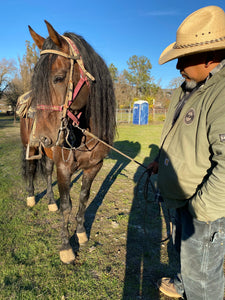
40,79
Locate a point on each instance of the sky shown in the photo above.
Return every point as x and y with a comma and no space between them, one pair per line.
116,29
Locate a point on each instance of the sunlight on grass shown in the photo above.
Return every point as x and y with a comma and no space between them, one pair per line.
143,139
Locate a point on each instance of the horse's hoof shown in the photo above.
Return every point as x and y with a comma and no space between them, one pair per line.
82,238
53,207
31,201
67,256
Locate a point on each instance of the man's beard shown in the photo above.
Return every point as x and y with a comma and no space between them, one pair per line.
189,85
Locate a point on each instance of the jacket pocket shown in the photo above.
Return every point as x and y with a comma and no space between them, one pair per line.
170,181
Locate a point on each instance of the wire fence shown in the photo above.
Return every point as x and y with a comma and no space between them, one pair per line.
126,115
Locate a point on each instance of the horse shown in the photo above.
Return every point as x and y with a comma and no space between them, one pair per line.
73,98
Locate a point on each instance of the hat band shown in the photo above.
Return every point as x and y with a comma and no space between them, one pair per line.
176,46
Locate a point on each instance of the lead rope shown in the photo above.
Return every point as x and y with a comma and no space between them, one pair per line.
85,132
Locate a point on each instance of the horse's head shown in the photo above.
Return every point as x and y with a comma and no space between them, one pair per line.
60,87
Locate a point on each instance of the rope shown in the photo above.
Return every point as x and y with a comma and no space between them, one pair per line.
85,132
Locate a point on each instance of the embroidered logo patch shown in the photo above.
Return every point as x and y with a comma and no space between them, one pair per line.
189,117
222,137
166,161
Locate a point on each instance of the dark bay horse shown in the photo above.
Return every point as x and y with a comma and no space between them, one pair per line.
71,86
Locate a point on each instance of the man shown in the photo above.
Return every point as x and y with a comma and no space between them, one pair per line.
191,162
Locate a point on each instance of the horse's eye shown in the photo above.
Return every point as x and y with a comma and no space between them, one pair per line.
58,79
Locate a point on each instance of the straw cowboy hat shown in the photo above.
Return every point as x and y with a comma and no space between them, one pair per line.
202,31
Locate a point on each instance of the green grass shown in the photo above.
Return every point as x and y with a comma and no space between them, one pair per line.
140,142
121,260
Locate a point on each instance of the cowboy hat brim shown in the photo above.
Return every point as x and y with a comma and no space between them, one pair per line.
171,52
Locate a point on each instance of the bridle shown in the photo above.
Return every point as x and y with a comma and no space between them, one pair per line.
72,91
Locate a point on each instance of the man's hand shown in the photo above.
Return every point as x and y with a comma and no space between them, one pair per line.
154,167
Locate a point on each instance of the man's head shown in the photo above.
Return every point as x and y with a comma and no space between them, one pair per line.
202,31
196,67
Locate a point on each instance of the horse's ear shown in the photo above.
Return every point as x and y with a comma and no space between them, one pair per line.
39,40
55,37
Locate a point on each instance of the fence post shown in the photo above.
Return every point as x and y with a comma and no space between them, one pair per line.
153,113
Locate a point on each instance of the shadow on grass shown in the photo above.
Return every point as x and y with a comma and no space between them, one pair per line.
129,148
144,264
7,121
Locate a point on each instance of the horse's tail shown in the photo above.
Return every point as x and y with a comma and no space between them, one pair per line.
35,167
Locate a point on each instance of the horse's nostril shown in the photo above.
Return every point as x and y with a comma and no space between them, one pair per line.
46,141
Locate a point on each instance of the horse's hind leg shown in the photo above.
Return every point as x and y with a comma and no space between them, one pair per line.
87,180
52,206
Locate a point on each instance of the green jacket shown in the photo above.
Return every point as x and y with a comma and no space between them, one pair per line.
192,157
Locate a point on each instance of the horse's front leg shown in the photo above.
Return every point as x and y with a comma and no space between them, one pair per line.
31,166
29,171
52,206
64,176
88,177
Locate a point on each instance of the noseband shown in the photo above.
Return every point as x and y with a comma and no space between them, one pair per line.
72,92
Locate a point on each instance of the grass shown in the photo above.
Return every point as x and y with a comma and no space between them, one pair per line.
123,258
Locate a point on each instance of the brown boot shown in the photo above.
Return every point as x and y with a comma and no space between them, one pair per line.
166,286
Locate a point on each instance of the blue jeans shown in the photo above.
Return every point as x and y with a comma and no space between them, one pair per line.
201,248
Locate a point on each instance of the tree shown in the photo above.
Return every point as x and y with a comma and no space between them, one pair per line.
27,64
155,90
139,74
13,91
7,69
114,72
176,82
124,92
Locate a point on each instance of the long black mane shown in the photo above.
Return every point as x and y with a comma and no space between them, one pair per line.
101,104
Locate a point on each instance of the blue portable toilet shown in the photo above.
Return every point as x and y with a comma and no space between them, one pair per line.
140,112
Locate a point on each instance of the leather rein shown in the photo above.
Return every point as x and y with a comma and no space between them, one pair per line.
72,92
